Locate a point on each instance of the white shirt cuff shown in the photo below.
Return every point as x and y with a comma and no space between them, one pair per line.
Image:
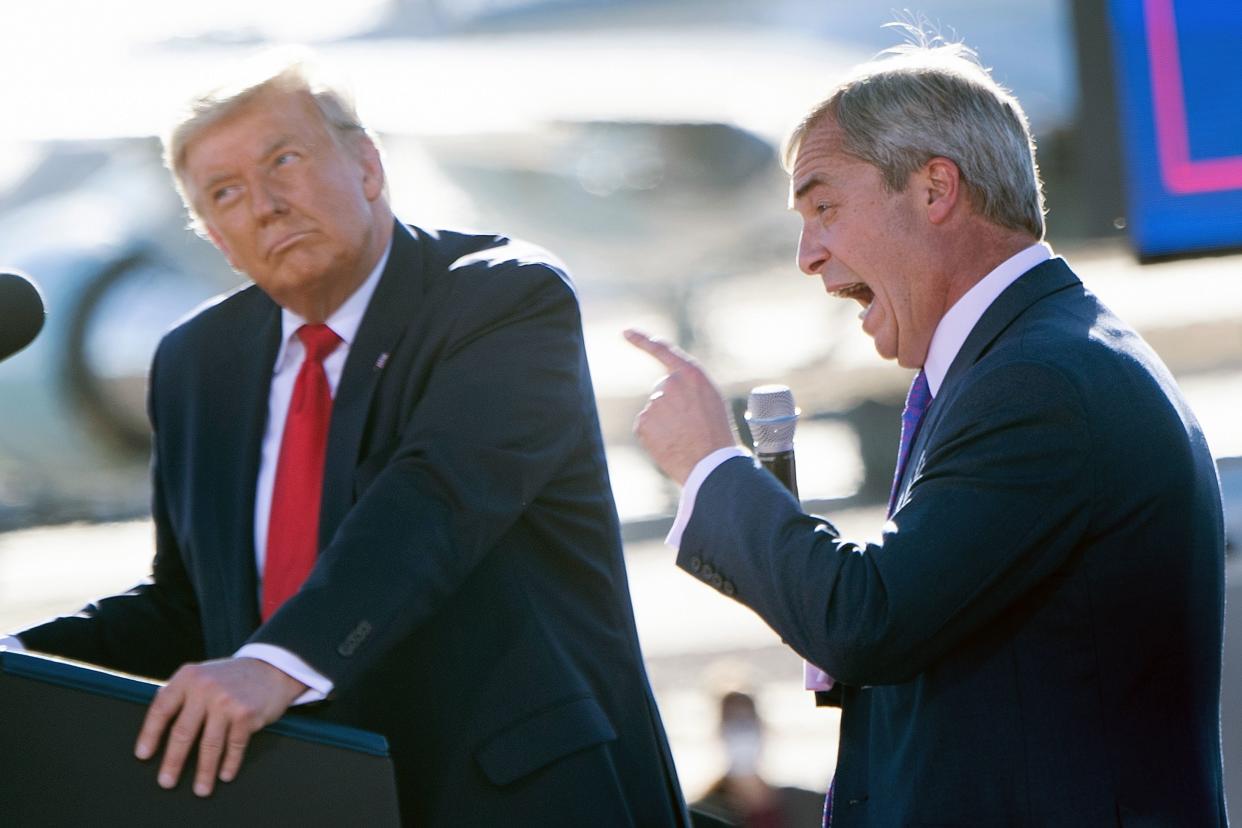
690,491
318,687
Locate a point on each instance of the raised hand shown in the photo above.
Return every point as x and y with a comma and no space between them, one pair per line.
685,418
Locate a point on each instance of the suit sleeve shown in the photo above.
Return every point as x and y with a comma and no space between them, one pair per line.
999,502
149,630
502,409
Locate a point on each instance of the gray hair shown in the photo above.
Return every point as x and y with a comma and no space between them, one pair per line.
932,98
283,71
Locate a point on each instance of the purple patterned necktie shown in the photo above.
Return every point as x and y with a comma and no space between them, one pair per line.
917,401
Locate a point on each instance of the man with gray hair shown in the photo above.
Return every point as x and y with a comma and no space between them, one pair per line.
1036,638
379,483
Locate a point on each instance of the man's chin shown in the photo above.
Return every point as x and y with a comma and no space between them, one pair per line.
886,351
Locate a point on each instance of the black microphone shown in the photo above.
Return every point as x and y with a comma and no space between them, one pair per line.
21,313
772,417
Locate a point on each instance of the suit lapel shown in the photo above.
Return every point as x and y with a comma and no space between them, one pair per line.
1044,279
386,320
242,386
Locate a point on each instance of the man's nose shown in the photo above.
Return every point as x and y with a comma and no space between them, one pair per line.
812,254
266,200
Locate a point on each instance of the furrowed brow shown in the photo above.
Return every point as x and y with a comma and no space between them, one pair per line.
808,185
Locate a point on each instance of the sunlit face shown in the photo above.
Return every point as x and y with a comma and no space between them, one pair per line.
293,207
866,244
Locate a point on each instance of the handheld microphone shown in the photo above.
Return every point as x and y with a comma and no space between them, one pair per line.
21,313
772,418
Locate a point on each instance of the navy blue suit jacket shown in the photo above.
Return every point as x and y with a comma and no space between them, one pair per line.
470,598
1036,641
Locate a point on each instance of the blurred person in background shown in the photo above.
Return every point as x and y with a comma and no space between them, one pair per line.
379,484
742,796
1037,637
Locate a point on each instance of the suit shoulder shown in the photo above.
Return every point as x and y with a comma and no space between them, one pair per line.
1074,332
215,319
1080,344
481,257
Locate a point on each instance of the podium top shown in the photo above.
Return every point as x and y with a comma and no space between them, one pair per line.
77,676
68,747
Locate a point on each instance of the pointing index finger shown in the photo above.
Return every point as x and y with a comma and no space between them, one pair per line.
670,356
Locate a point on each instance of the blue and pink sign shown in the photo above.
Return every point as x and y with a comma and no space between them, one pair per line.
1179,78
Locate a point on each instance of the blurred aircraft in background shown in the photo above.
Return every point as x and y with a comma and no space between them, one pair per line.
638,140
99,228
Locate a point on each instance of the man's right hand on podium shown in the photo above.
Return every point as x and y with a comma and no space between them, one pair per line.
218,704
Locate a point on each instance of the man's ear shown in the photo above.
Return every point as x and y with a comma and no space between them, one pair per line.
942,182
372,168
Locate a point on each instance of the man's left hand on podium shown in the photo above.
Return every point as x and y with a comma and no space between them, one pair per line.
220,705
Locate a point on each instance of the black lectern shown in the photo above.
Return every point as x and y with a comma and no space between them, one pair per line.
66,758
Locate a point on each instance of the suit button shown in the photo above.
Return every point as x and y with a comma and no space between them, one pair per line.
729,589
354,640
717,581
707,572
696,563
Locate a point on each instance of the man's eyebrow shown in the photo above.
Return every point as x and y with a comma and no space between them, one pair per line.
210,183
808,185
276,145
271,148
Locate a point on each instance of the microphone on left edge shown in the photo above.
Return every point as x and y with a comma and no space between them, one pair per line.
21,313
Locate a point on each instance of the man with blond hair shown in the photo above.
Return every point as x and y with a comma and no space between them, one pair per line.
379,483
1036,638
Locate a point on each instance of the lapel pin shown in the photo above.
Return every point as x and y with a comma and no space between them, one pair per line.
381,361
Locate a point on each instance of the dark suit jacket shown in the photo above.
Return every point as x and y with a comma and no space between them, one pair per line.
470,598
1037,639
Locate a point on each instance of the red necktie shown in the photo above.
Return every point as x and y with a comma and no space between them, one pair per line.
293,526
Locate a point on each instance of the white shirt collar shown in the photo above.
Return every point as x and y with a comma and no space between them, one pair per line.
960,320
344,321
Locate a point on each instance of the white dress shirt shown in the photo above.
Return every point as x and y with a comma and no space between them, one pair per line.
946,341
344,322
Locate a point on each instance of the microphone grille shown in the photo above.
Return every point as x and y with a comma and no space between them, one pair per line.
772,417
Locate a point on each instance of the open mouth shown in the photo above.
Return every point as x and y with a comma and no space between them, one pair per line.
856,291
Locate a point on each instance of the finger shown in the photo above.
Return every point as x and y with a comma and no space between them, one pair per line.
210,749
640,420
239,738
163,707
670,356
181,737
